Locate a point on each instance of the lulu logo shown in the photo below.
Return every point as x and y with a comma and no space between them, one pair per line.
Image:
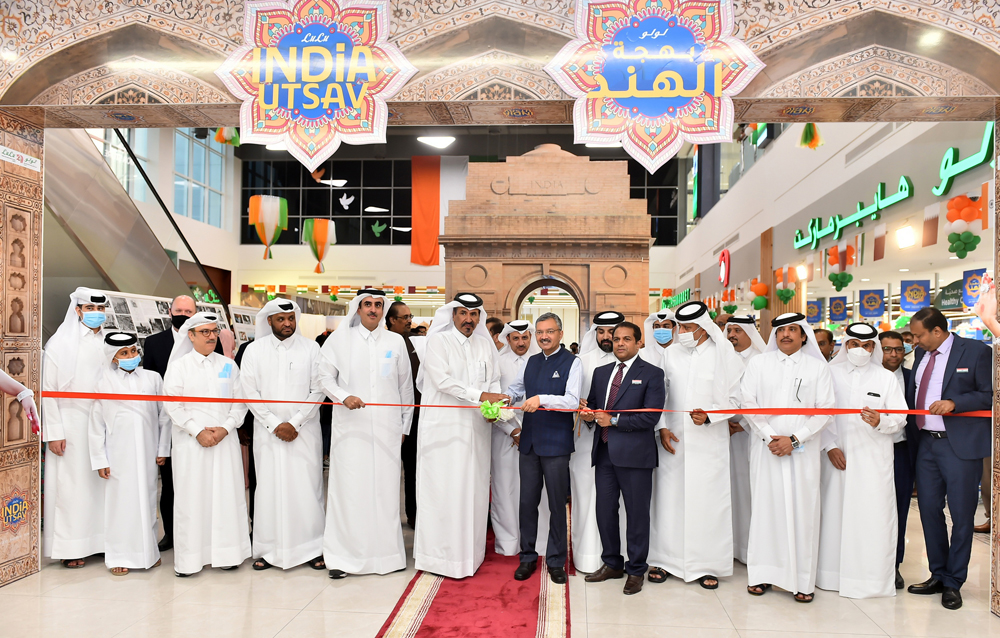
915,293
797,111
872,301
724,260
942,109
15,510
517,113
812,310
972,284
837,307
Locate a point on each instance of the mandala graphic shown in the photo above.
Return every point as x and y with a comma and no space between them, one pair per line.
653,74
315,73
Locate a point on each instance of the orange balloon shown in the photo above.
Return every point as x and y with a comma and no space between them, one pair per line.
960,202
884,326
953,214
850,251
759,289
969,213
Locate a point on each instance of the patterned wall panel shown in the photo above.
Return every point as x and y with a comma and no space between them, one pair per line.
20,347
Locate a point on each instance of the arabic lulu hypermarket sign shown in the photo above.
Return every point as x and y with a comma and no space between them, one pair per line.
653,75
315,73
951,167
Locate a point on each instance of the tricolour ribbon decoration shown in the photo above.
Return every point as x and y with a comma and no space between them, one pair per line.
269,215
319,233
227,135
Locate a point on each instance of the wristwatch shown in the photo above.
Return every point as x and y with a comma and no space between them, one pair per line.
796,444
614,420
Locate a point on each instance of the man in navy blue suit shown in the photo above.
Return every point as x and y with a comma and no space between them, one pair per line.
624,454
550,379
950,375
904,455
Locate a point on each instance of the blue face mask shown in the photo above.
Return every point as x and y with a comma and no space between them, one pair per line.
663,335
907,347
94,319
129,364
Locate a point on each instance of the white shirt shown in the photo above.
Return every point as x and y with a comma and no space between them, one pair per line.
289,369
901,435
614,373
775,380
935,386
195,375
568,401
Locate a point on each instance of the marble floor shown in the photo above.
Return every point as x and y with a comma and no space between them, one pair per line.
86,602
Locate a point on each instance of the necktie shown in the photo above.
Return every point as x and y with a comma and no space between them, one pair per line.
616,384
925,380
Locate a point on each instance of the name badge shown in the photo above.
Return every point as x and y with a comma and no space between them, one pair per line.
636,381
958,370
555,375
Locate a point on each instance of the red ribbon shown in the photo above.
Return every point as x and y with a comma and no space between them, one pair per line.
754,411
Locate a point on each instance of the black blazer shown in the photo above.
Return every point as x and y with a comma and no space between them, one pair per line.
968,381
632,443
156,351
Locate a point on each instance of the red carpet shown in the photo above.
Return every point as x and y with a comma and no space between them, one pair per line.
490,603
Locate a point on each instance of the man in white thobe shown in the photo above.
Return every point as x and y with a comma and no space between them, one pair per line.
785,458
365,363
128,440
73,361
458,368
287,441
742,333
210,507
595,351
658,333
859,493
691,535
505,481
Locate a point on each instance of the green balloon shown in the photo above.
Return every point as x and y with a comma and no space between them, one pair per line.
832,277
952,248
849,277
962,254
966,236
976,240
759,303
953,237
959,246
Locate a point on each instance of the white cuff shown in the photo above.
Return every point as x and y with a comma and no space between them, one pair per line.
24,395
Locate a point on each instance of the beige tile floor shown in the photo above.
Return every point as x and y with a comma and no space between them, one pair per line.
304,603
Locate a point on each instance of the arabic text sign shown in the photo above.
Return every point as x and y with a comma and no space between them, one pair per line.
872,303
951,167
814,311
314,73
653,77
837,224
971,280
914,295
838,309
20,159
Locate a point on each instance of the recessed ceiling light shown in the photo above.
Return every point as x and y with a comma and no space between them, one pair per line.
904,270
953,258
376,209
866,280
604,145
336,183
277,146
439,141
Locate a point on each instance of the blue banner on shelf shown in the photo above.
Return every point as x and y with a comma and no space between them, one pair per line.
971,280
914,295
872,303
838,309
814,311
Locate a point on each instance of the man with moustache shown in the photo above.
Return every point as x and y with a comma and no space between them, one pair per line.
459,368
399,319
550,380
825,341
595,351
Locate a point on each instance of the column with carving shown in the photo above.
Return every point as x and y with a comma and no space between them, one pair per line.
995,514
20,342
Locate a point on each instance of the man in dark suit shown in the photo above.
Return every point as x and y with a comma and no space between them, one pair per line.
950,375
904,454
624,454
399,319
550,379
155,356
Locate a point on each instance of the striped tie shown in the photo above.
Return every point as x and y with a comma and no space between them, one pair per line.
612,395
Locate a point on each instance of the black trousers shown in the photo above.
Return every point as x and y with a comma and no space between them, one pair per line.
635,485
408,452
554,471
903,470
167,498
940,474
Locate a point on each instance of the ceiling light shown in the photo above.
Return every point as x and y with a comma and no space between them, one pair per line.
904,270
953,258
277,146
931,39
604,145
376,209
801,271
866,280
905,237
441,141
336,183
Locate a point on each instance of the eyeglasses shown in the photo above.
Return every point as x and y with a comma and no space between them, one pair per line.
209,333
891,349
547,333
404,317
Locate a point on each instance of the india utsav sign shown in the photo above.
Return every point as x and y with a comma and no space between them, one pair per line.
315,73
653,75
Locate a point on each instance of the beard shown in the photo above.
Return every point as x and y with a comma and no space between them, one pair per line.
605,346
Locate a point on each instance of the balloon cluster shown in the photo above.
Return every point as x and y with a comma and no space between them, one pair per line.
730,309
902,321
785,294
962,215
757,295
840,280
834,257
713,314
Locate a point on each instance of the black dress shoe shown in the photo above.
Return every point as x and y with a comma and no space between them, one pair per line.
165,544
525,570
558,575
899,579
951,598
930,586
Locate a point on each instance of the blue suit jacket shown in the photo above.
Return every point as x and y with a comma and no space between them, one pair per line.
632,443
968,381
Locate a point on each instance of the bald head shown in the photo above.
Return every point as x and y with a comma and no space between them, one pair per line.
183,306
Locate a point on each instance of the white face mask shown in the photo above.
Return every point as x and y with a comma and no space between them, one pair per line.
687,339
858,356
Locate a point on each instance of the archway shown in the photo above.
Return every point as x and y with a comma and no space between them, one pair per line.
549,295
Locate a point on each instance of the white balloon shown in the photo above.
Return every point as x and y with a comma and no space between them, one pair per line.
959,226
947,229
750,295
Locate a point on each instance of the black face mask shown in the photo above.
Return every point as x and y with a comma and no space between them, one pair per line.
178,321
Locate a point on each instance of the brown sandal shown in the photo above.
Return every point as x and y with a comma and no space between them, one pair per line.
763,589
119,571
66,563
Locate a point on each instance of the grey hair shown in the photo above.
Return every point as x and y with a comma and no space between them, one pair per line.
547,316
